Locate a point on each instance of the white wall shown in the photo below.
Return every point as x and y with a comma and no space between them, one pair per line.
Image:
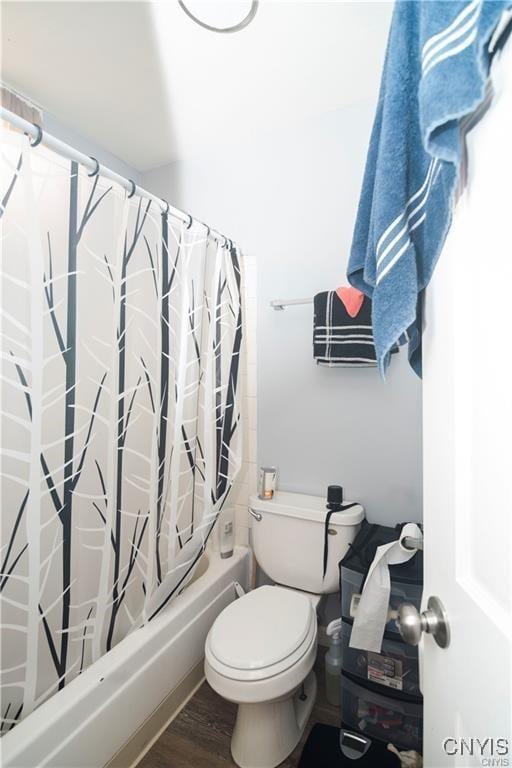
289,199
88,146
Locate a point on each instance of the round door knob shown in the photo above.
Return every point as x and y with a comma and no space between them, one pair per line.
411,623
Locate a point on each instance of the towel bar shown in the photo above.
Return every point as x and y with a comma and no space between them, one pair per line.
280,304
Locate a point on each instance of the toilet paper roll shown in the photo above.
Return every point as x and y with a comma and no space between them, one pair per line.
372,611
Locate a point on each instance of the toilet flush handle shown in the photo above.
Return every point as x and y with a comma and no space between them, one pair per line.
256,515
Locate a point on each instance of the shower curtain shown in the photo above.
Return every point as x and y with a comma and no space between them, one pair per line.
120,423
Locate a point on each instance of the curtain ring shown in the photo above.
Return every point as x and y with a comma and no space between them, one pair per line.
134,188
96,170
190,220
39,136
167,208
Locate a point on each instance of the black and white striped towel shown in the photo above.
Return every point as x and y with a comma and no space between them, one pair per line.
340,340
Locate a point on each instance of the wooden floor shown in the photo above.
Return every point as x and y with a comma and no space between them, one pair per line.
200,735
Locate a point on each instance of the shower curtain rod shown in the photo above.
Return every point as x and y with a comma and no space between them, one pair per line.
41,136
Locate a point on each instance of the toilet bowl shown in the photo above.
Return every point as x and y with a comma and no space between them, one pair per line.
261,649
259,654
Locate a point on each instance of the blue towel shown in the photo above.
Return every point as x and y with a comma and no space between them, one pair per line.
435,75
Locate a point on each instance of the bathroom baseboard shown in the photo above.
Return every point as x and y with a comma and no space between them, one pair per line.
152,728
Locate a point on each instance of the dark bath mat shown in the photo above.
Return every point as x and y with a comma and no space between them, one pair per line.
322,750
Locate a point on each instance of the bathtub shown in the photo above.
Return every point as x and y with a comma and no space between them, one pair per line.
94,719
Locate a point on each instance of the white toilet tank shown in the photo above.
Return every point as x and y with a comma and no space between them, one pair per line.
288,538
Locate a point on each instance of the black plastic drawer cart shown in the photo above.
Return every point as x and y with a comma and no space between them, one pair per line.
381,698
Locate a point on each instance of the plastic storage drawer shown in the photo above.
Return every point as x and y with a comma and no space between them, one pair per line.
401,592
395,667
387,719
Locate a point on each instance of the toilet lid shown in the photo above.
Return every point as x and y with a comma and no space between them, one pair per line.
262,628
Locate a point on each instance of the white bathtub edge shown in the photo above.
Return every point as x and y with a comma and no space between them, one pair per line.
70,730
150,731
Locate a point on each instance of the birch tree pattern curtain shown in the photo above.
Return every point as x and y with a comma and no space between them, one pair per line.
121,335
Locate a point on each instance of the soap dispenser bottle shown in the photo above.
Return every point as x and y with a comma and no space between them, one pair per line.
333,661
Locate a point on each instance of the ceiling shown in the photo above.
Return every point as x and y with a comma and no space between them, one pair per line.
150,86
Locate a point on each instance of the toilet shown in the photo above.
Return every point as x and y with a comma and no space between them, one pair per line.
261,649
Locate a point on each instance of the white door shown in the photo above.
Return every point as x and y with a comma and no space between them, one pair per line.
468,457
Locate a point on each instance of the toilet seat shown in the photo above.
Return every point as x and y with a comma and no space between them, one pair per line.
262,634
